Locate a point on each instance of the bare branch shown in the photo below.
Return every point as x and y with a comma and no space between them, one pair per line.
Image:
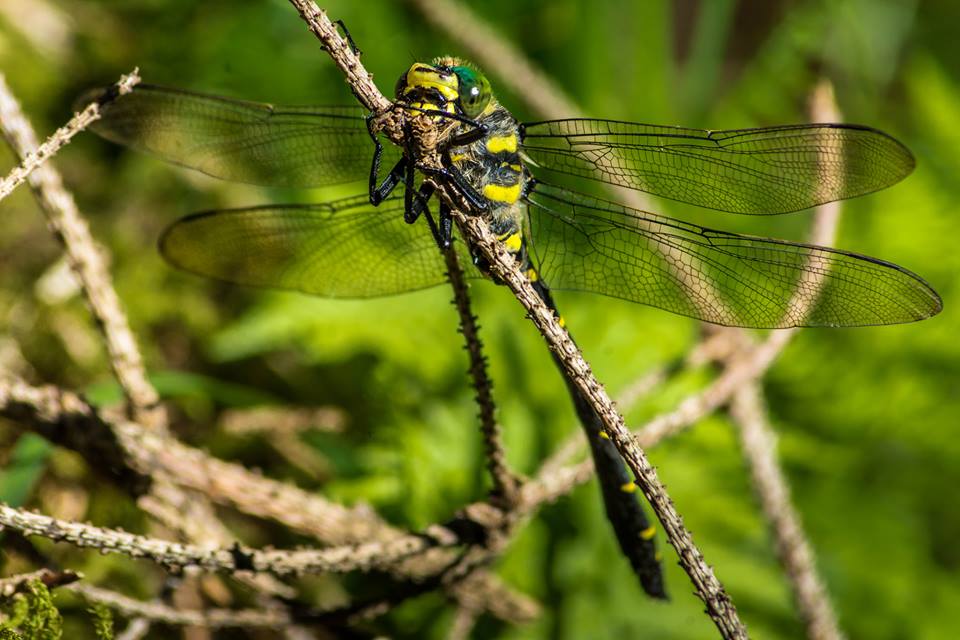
464,620
709,589
136,629
86,260
759,447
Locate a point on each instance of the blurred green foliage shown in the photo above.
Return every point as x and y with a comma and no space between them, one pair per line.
867,418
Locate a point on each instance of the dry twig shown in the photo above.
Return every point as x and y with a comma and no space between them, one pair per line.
237,559
79,122
135,455
86,260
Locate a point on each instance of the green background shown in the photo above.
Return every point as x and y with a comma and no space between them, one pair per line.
867,418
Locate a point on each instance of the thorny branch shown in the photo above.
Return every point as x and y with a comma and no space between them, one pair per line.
504,481
237,559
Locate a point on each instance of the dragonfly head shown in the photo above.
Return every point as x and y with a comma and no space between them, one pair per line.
448,85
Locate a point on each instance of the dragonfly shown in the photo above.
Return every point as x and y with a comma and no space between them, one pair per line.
512,174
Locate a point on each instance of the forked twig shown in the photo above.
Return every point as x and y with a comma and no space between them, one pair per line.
86,260
139,455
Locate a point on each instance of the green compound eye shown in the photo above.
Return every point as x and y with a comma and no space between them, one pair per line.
474,91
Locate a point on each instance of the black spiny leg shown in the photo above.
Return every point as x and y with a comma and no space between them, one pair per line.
379,192
453,177
445,238
478,132
346,32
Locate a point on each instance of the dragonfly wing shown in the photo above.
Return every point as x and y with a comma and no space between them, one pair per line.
241,141
589,244
757,171
343,249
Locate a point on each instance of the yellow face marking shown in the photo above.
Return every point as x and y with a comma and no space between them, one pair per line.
422,76
532,275
648,533
459,157
629,487
603,434
563,325
496,144
502,194
513,242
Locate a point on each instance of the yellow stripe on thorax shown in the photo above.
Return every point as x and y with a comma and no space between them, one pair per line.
500,193
496,144
648,533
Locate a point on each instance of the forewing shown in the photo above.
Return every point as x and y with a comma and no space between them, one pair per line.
241,141
344,249
588,244
756,171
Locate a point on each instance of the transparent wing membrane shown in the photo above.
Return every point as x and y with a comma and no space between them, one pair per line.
242,141
756,171
343,249
587,244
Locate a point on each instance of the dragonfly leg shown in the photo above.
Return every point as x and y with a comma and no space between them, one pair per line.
379,193
417,204
453,176
445,237
478,132
415,200
346,33
453,116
